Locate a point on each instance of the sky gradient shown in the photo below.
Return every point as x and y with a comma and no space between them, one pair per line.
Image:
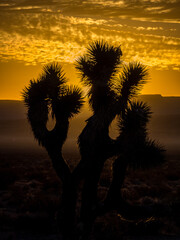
35,32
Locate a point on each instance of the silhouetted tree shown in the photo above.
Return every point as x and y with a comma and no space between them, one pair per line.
109,96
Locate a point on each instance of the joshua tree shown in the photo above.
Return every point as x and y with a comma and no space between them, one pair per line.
109,96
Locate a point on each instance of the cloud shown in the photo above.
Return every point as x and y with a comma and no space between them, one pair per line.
168,9
4,4
109,3
26,8
46,31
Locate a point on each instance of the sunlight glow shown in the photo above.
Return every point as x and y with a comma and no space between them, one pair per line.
40,32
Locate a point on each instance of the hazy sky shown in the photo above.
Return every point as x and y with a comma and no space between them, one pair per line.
35,32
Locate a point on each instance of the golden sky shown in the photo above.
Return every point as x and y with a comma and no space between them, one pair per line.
36,32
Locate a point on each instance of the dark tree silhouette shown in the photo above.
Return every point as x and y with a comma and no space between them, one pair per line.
109,96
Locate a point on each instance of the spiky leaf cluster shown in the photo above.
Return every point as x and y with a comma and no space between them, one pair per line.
138,149
100,63
97,68
54,80
136,117
68,102
50,91
132,78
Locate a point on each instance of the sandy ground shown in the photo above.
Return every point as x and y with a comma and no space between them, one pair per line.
30,194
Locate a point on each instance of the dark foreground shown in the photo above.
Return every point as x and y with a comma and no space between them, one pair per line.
30,194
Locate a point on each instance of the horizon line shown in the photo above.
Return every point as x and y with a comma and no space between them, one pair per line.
150,94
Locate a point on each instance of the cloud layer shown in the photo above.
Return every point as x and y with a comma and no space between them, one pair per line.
53,30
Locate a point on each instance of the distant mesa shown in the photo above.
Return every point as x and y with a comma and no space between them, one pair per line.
162,105
14,109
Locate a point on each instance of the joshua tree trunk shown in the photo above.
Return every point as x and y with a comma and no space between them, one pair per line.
89,197
114,197
66,215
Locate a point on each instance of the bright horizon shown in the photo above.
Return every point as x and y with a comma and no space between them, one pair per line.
34,33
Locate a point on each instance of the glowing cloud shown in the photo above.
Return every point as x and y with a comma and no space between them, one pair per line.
43,31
